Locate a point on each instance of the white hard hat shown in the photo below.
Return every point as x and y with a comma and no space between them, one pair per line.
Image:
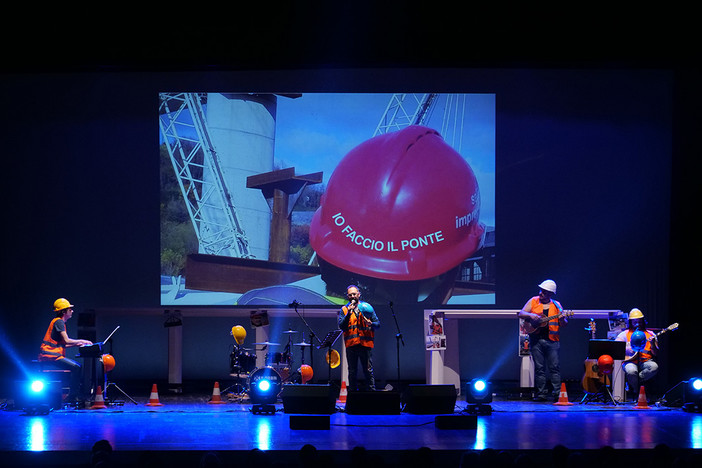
548,285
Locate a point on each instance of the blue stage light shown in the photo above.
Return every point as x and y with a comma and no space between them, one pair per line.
478,394
692,401
37,396
37,386
478,391
264,386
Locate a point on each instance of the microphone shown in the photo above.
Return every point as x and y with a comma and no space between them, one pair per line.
355,309
294,303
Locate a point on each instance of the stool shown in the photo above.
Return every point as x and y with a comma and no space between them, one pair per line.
54,374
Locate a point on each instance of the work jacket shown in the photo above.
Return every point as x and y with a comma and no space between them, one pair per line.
358,331
50,349
554,308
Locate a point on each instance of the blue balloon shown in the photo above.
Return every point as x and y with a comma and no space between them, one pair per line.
638,340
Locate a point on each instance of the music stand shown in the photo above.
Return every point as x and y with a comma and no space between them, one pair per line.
597,348
328,342
106,380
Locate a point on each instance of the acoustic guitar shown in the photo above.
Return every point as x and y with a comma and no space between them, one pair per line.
665,330
593,379
530,326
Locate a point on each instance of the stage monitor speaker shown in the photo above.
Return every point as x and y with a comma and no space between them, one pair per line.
373,403
430,399
309,399
456,421
318,423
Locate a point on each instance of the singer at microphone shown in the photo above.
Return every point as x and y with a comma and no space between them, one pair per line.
358,321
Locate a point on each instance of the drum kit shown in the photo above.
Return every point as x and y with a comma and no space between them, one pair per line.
243,363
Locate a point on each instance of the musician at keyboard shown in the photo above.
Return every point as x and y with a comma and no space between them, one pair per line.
53,347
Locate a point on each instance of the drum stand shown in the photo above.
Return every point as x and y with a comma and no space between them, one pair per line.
237,389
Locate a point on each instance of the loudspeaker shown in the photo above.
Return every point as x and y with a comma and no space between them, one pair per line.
429,399
310,422
456,421
373,403
309,399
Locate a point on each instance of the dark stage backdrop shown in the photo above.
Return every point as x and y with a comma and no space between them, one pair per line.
589,165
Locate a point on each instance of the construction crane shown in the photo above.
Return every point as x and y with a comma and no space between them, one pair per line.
417,109
196,164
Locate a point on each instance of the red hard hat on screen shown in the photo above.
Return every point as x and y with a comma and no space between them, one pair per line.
400,206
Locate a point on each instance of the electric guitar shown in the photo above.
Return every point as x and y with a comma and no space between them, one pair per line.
665,330
530,326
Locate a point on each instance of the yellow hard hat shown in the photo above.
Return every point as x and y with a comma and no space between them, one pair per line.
61,303
239,334
635,314
333,358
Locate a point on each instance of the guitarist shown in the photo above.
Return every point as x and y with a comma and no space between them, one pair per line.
544,341
643,359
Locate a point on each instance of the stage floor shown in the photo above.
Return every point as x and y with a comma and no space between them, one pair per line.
188,423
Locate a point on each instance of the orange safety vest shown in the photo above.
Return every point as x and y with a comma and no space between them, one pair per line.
50,349
357,332
646,354
554,308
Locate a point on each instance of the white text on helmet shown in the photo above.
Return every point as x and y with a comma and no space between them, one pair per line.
389,246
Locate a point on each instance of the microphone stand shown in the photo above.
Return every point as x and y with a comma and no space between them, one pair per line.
398,340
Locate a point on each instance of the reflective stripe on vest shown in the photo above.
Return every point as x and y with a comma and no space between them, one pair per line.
51,350
646,354
356,333
538,308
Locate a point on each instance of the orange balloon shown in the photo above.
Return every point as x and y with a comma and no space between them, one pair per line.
306,373
108,362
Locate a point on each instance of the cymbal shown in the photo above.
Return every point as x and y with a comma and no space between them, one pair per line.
267,343
289,332
301,344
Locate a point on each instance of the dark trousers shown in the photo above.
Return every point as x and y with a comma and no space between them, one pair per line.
357,353
76,374
547,369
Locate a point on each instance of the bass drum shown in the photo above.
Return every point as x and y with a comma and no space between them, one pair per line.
265,373
284,371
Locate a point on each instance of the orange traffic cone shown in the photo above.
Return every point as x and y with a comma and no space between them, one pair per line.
153,398
99,402
643,402
563,397
342,393
216,396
